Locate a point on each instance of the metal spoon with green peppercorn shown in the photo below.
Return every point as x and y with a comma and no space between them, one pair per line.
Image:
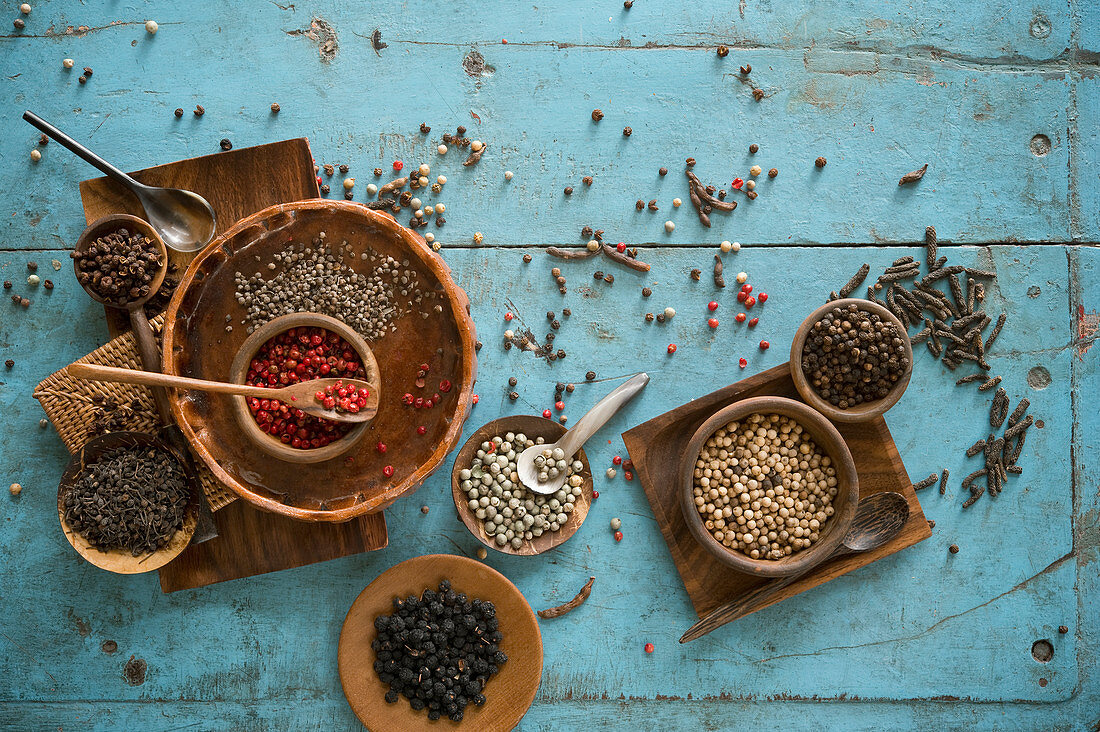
185,220
542,467
305,395
879,518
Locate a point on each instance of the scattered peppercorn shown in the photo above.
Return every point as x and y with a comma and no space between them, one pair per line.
569,190
773,172
646,292
758,94
7,284
639,204
226,144
10,363
628,4
82,79
764,345
15,489
1063,629
590,376
627,132
954,548
820,162
754,148
649,648
746,69
671,348
723,51
19,25
179,111
275,107
48,284
587,180
526,258
199,110
696,274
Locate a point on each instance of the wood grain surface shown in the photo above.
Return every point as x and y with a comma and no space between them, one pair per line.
508,694
656,447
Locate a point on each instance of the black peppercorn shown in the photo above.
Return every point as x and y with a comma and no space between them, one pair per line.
597,115
377,172
609,278
526,258
820,162
424,129
561,353
512,381
690,162
696,274
461,130
754,148
570,387
646,292
597,275
627,132
32,266
325,189
226,144
746,69
569,190
566,312
10,363
87,70
723,51
275,107
344,168
591,375
19,24
48,284
7,284
954,548
640,204
653,205
649,317
660,317
758,94
199,110
513,395
628,4
179,111
773,172
82,79
662,172
1063,629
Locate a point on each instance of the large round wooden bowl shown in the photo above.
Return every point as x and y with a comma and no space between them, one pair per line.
868,410
123,561
533,427
238,372
508,694
844,504
197,344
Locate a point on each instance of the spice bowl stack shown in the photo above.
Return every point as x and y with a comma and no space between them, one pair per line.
851,360
768,486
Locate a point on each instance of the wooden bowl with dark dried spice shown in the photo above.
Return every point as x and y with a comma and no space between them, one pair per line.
751,491
154,517
826,358
532,427
360,266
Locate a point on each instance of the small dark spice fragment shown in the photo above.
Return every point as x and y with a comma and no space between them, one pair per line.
225,144
696,274
758,94
7,284
954,548
18,24
926,482
639,204
662,172
1063,629
557,612
526,258
773,172
914,176
746,69
199,110
754,148
48,284
820,162
82,78
179,111
719,280
344,168
627,132
609,278
628,4
275,108
590,376
424,129
723,51
597,115
569,190
653,205
587,180
10,363
646,292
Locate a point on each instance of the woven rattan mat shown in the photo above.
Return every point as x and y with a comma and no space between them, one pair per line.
81,410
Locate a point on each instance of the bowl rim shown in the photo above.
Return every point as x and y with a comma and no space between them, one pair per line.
473,524
238,369
864,412
844,509
459,308
121,561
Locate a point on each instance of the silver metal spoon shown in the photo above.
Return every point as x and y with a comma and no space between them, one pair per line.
574,439
185,220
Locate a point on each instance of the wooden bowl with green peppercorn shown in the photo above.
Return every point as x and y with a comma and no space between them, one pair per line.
843,504
899,366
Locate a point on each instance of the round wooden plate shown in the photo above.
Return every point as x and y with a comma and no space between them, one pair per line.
122,561
533,427
508,694
197,344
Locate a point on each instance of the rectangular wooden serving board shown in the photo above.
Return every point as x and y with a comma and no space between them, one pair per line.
656,448
239,183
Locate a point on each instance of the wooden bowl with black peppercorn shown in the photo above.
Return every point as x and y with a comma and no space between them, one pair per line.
892,376
827,439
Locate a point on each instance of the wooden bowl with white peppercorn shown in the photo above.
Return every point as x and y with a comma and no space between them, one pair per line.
867,410
827,440
532,427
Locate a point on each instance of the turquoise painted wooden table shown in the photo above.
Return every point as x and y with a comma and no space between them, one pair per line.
1002,99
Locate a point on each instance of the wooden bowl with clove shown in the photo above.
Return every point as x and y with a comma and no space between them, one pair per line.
123,561
534,427
868,410
827,439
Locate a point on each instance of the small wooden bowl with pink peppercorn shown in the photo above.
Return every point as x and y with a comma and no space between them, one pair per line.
238,373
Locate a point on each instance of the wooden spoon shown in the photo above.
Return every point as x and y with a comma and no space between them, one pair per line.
879,518
301,395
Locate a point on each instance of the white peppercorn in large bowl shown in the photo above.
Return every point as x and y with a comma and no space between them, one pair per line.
496,507
768,486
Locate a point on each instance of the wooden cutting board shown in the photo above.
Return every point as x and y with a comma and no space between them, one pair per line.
656,448
237,184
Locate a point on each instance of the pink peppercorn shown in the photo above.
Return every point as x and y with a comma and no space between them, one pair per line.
712,306
547,413
508,316
742,296
742,363
649,648
421,430
595,495
398,165
620,247
762,297
740,317
475,399
617,460
618,536
671,348
388,471
381,446
559,405
737,183
746,288
764,345
750,301
713,322
628,475
753,322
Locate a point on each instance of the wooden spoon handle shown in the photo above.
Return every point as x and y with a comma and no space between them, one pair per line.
96,372
735,609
